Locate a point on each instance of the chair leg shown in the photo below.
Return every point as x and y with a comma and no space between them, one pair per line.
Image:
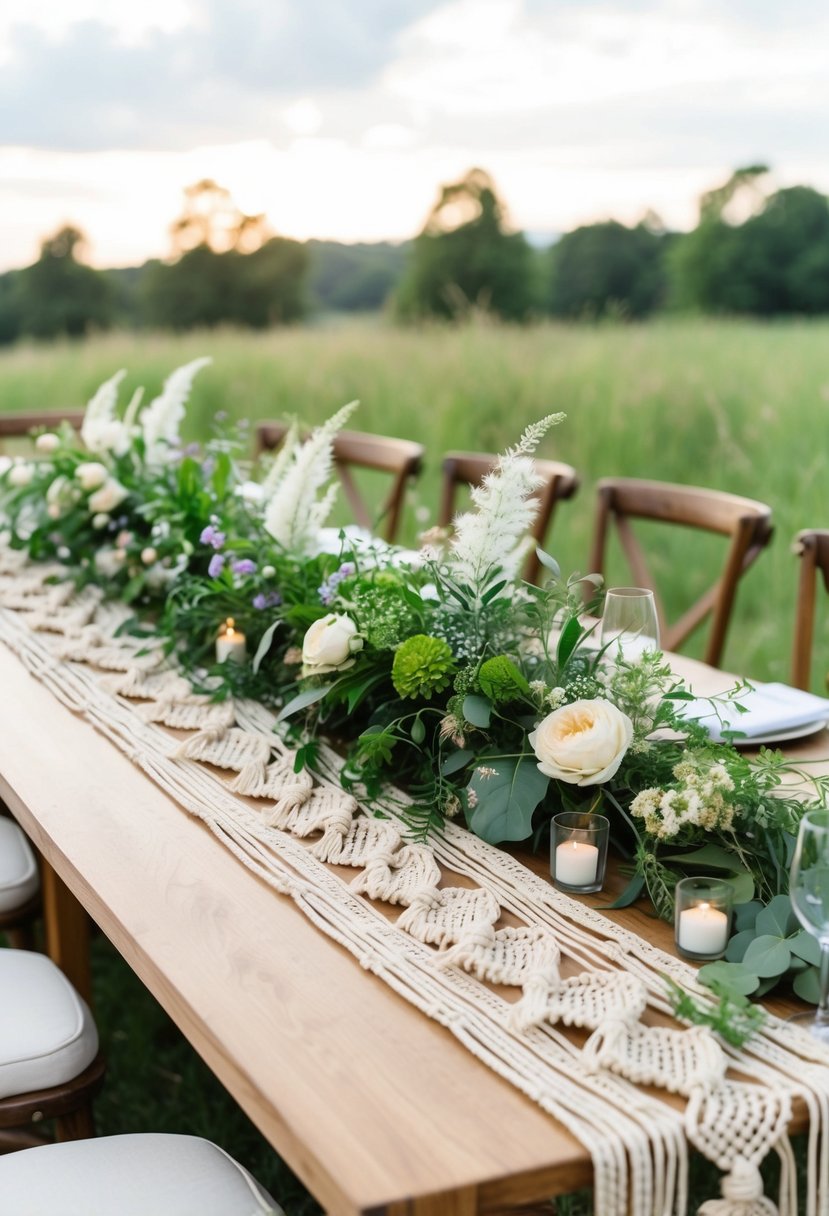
76,1124
22,938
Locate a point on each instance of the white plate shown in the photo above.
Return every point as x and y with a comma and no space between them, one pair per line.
783,736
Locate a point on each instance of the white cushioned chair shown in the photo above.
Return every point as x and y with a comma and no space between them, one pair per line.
49,1063
19,885
134,1175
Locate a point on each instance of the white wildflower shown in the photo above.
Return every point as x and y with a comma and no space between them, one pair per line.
281,462
101,431
487,545
161,419
294,515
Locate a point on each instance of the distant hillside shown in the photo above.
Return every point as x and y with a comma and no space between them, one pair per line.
354,278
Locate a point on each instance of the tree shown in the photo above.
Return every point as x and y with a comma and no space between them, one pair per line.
607,267
58,295
465,257
211,218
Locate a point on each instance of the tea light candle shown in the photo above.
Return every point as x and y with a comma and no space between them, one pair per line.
576,863
230,644
703,930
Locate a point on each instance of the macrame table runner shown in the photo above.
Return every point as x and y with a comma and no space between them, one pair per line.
452,949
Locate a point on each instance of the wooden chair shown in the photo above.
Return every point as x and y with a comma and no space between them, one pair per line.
401,458
746,523
812,547
18,426
19,885
469,469
50,1067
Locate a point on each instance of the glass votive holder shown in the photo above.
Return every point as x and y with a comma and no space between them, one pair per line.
702,917
578,851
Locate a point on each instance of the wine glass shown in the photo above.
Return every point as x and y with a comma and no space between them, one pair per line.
809,891
629,623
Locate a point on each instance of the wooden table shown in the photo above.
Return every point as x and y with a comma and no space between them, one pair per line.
377,1109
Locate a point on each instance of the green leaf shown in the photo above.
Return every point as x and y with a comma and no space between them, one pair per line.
493,591
804,946
478,711
736,948
746,914
549,563
455,762
807,985
630,894
357,691
767,955
264,645
302,700
507,792
743,885
728,977
569,640
777,918
710,856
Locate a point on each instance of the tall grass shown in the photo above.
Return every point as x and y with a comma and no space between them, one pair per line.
734,405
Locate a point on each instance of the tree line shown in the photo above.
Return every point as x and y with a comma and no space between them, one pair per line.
751,253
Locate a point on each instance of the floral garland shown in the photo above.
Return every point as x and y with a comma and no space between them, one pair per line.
488,697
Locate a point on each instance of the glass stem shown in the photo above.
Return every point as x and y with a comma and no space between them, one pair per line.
822,1015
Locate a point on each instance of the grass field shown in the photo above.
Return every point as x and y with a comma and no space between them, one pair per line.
738,406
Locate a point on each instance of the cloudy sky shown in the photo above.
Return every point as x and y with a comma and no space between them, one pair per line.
340,118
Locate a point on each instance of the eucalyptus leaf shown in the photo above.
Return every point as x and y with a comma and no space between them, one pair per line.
264,645
745,914
455,762
729,977
302,700
767,956
807,985
743,885
549,563
507,792
710,856
777,918
804,946
736,948
630,894
478,712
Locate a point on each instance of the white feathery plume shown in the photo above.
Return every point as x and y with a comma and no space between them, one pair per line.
281,461
489,543
99,421
293,515
162,418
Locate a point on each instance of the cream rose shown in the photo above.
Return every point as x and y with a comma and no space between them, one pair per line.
91,475
21,475
47,443
330,644
583,743
110,495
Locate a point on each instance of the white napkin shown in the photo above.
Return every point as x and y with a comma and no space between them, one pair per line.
770,708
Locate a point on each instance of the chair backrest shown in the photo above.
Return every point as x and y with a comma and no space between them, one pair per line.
812,547
401,458
745,522
470,468
18,426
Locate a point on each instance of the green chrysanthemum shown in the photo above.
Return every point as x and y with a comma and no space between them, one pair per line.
500,679
422,666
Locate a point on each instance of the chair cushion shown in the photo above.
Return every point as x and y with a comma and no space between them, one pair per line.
133,1175
47,1035
18,868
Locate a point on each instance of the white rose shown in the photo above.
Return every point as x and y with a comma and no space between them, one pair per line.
21,475
583,743
47,443
268,571
108,497
149,555
330,644
100,521
91,474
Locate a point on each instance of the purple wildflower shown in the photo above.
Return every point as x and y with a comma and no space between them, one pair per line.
272,600
327,591
212,536
244,566
217,565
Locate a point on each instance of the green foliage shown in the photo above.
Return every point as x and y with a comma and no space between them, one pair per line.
354,278
501,680
503,795
422,666
732,1017
606,268
57,296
